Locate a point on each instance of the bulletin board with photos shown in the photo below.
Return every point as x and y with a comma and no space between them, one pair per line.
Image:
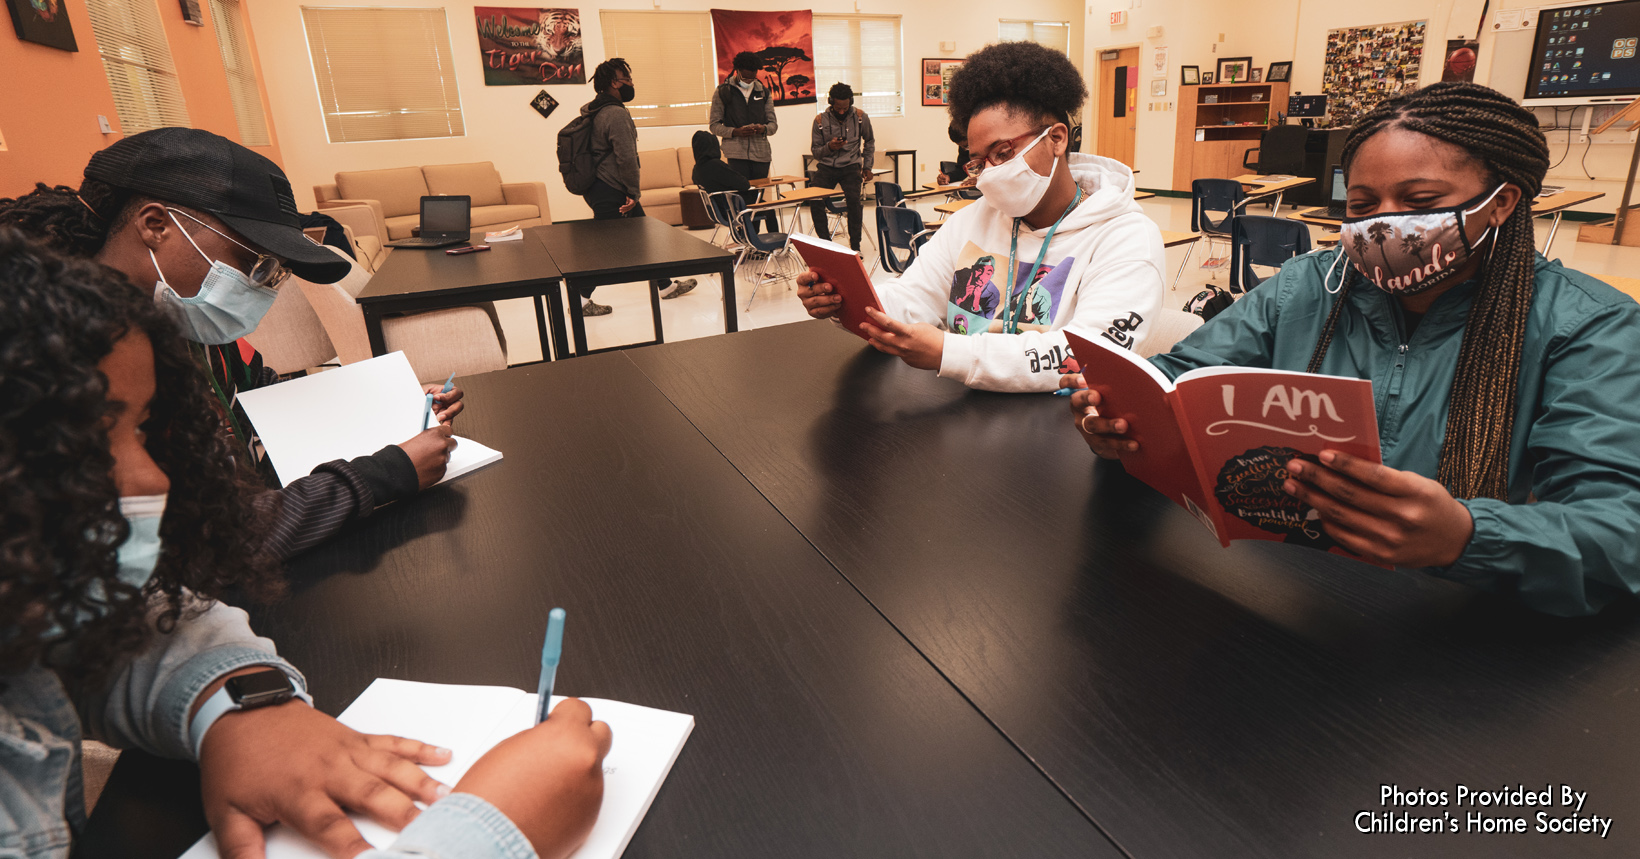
936,80
1365,65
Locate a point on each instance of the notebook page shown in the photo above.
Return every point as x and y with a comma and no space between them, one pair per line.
470,720
344,413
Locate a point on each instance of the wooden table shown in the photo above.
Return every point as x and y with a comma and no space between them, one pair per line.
412,280
953,207
776,181
819,731
1556,205
794,198
598,253
1264,186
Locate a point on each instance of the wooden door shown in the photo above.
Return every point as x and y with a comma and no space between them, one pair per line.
1118,101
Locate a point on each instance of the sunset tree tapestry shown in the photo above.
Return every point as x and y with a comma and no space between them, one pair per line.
783,41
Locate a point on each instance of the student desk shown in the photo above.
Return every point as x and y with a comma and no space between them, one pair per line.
953,207
1263,186
1171,239
795,198
1556,205
1193,700
598,253
819,731
411,279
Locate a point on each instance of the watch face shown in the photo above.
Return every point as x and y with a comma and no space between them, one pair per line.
260,689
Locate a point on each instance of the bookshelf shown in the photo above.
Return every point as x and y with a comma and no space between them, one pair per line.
1218,123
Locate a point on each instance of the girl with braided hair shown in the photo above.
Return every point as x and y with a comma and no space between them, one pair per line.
1507,386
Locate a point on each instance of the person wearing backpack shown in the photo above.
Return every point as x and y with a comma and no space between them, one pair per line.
612,151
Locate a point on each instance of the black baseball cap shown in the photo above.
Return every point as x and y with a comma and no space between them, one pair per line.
205,171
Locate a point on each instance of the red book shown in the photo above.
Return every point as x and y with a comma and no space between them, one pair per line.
1217,440
842,268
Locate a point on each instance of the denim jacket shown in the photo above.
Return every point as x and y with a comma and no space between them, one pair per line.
145,705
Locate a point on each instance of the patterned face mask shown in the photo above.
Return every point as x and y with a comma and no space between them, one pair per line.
1405,253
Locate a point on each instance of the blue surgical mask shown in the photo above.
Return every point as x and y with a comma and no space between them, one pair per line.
137,556
227,307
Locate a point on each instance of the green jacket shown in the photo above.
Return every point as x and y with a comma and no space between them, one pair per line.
1568,540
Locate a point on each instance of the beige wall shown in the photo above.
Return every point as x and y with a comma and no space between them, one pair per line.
502,127
1268,31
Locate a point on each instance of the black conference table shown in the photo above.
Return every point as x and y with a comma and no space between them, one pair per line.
412,279
599,253
881,595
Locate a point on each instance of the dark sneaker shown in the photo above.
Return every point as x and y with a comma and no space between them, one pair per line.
679,287
593,308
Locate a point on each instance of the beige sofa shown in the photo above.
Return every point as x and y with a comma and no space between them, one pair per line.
394,195
663,176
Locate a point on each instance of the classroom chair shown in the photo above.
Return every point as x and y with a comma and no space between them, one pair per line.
1260,240
900,229
768,248
890,194
1280,151
1209,196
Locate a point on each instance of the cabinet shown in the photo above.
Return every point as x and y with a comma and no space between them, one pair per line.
1218,123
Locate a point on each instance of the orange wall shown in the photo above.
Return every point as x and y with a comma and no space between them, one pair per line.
48,114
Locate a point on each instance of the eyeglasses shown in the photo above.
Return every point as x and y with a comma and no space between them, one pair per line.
1001,152
267,272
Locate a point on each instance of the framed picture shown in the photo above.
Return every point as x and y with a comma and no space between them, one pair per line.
1190,75
1158,87
44,22
1207,77
544,104
936,80
1255,76
1279,72
1233,70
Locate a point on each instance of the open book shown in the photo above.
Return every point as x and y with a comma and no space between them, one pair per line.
351,411
470,720
841,267
1217,440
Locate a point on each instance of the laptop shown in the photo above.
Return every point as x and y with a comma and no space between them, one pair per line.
1336,210
445,221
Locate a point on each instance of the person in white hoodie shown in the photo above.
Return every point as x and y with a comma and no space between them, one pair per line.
1057,241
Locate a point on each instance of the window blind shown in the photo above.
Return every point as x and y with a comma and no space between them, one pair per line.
137,60
673,69
862,51
229,21
383,73
1048,34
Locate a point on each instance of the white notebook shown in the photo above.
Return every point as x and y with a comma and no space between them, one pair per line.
351,411
470,720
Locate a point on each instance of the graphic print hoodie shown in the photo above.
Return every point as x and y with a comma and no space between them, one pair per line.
1101,276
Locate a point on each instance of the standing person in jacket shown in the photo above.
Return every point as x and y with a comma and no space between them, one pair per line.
743,115
614,194
122,522
210,230
843,146
1508,387
713,176
1044,208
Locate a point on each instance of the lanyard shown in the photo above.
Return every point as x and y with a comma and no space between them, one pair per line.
1010,320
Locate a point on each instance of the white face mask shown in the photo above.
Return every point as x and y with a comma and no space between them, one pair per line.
228,305
137,556
1013,188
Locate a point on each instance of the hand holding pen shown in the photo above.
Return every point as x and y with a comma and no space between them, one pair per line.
446,402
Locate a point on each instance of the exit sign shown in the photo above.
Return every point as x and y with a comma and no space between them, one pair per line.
1118,18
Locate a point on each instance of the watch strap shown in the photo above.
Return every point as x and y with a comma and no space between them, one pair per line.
221,703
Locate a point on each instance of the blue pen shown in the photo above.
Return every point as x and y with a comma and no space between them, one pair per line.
427,415
551,650
1065,392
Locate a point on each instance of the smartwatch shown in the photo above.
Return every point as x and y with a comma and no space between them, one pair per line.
264,688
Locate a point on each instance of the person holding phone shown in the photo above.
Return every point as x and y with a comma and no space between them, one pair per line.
842,145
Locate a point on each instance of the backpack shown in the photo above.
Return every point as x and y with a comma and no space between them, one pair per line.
575,161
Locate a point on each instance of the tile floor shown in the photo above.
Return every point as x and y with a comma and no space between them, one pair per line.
700,313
